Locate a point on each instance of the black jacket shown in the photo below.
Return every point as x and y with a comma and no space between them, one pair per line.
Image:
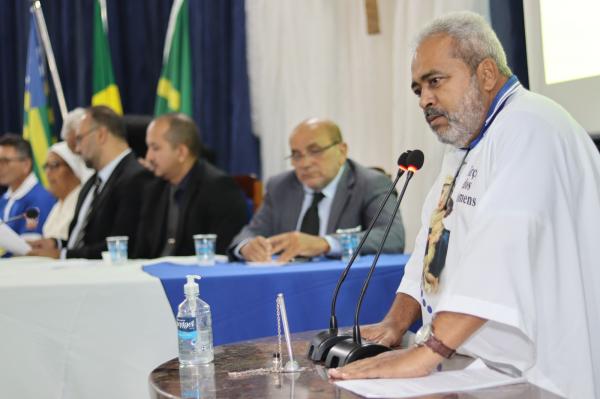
211,203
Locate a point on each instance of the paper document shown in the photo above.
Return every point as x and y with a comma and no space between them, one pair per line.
476,376
12,242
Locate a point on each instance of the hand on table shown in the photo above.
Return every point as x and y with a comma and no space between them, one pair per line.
295,243
401,363
384,333
257,249
44,247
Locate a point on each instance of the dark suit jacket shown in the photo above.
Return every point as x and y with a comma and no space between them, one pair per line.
116,210
356,200
212,203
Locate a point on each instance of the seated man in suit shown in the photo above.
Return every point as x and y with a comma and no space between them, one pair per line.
325,192
192,196
109,202
24,189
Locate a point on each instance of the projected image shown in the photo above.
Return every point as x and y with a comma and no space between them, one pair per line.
570,36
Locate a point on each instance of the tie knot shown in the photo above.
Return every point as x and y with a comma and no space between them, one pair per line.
97,184
317,197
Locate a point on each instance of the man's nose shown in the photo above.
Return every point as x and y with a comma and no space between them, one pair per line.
427,98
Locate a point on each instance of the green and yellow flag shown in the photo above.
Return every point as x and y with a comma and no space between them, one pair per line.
174,93
36,126
105,89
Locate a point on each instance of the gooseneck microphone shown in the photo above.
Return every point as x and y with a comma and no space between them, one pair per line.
351,349
324,340
31,213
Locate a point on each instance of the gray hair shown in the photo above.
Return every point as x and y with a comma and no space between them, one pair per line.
474,39
71,122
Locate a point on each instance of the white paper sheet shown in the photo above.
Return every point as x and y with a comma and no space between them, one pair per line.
476,376
11,242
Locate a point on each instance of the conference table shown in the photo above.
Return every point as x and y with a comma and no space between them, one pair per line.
90,329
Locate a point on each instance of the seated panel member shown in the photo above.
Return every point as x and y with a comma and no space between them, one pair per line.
24,189
64,171
191,196
68,134
325,192
505,266
109,202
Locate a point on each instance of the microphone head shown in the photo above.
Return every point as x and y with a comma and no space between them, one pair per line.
32,213
402,160
415,160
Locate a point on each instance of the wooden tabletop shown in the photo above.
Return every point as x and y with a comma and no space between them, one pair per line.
215,381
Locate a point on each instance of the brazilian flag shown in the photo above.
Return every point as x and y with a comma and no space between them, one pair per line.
36,126
105,89
174,93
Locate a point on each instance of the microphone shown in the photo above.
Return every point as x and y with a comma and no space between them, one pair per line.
351,349
324,340
31,213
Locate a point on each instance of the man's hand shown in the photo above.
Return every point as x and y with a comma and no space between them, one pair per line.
43,244
296,243
44,247
385,333
146,164
403,363
257,249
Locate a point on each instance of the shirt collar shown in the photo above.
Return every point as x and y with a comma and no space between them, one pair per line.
29,183
329,190
106,171
507,90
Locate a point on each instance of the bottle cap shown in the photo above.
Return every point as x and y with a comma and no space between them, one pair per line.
191,287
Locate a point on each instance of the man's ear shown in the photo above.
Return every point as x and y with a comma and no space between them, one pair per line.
183,152
102,134
488,74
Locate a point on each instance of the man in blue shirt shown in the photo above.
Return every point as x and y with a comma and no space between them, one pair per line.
24,189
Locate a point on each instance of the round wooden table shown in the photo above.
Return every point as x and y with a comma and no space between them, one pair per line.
214,381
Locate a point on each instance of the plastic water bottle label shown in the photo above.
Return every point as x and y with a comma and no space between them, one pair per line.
187,327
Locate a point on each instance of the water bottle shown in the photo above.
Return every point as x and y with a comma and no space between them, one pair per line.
194,327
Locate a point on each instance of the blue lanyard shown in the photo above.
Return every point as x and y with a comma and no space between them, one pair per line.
507,90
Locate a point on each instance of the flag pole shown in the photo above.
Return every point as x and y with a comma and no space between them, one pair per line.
45,38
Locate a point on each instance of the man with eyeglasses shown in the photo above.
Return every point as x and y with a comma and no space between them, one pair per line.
326,191
109,202
24,189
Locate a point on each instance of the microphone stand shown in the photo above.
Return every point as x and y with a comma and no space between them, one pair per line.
324,340
350,349
31,213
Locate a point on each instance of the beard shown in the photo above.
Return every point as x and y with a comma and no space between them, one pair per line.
463,124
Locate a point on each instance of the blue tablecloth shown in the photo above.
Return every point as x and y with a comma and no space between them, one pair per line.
242,298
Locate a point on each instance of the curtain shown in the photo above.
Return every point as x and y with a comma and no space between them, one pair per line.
314,58
136,35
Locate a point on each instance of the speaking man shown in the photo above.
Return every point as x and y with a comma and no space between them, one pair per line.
191,196
326,191
109,202
513,280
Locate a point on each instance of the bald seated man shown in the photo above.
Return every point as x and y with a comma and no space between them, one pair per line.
326,191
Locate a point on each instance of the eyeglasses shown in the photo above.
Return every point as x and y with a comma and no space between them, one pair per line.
5,160
79,137
52,165
311,152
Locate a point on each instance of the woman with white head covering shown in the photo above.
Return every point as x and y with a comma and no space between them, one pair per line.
65,172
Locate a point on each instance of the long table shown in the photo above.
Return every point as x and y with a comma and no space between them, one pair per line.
80,329
84,329
242,297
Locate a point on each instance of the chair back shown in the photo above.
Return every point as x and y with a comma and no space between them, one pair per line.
252,188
